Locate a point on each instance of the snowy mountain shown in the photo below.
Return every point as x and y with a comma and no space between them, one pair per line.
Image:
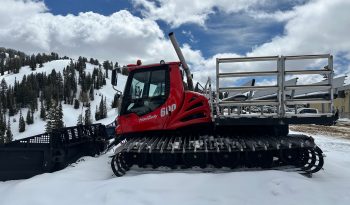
70,115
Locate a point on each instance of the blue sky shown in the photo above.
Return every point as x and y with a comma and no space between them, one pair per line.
105,7
126,30
210,40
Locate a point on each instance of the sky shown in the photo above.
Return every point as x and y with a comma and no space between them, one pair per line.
127,30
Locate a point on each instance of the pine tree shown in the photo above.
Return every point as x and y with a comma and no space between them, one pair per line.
91,93
22,124
32,110
29,117
76,104
107,66
50,117
2,137
104,81
59,117
115,100
32,62
87,120
84,97
39,59
54,117
3,95
100,109
11,105
42,110
3,86
9,136
104,107
97,114
2,67
80,120
2,129
92,61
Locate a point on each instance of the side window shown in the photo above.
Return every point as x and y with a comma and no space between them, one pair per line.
157,84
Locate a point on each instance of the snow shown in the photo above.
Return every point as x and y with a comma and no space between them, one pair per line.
70,115
58,65
344,120
91,181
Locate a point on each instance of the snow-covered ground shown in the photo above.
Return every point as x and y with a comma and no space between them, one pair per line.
91,181
70,115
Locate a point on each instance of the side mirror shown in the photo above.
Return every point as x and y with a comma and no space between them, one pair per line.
120,100
114,80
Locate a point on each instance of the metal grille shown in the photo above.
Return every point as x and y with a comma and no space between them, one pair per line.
280,101
38,139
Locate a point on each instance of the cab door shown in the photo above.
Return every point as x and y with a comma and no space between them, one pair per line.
146,92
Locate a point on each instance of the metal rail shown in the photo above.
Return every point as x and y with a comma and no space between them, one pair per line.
250,102
247,59
247,88
245,74
284,94
297,87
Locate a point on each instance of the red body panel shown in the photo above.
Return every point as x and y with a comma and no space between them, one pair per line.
181,108
195,109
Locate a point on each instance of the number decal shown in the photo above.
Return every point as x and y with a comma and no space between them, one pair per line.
162,112
166,110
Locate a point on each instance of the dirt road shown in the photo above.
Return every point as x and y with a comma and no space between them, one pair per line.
341,129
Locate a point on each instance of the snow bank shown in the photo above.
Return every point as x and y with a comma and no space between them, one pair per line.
344,120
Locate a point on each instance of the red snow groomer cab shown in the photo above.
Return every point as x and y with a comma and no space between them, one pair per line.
165,121
156,99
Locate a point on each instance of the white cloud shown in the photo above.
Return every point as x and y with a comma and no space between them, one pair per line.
120,36
14,11
320,26
178,12
190,36
277,15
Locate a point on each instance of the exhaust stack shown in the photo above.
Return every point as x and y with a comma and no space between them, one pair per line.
182,60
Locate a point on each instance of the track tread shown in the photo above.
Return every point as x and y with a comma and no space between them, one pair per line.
265,152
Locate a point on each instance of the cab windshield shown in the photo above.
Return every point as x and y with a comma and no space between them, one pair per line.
145,91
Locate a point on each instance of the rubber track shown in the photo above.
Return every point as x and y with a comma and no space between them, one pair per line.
264,152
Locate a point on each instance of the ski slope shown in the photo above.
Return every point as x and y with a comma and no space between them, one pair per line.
70,115
91,182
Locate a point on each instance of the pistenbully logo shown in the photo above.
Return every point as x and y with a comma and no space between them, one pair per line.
150,117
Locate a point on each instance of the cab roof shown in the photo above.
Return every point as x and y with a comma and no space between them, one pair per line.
132,67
